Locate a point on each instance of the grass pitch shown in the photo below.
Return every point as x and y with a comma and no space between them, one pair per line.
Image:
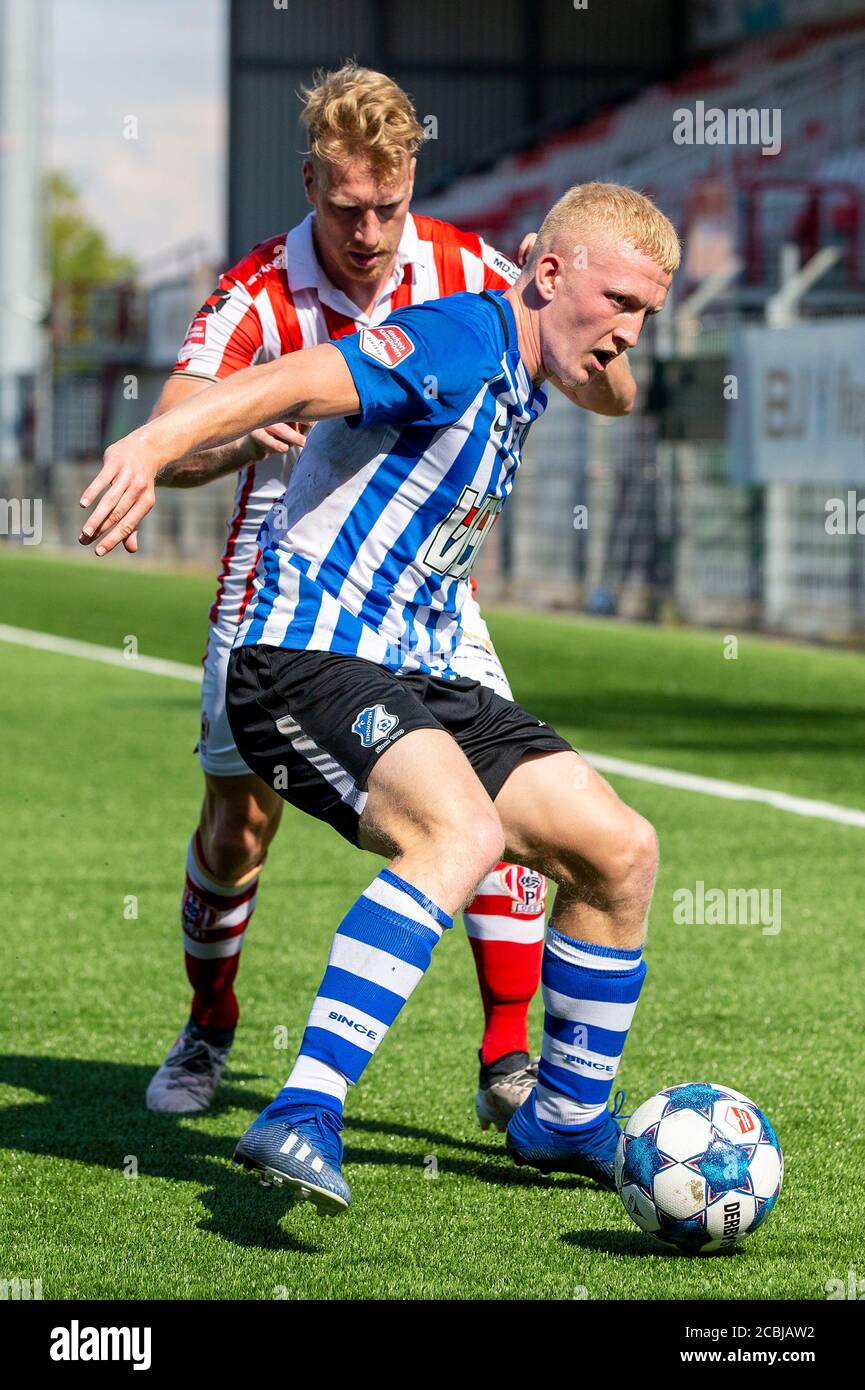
100,793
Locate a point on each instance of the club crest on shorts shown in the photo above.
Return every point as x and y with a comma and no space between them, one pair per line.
372,724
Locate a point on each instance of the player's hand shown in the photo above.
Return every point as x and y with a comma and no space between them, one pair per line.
279,438
525,250
128,493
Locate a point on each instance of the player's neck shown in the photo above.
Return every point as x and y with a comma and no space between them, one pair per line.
528,336
363,294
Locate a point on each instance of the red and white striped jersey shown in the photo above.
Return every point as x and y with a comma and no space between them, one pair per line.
277,300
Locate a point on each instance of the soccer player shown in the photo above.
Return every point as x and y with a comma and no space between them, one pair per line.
341,690
359,255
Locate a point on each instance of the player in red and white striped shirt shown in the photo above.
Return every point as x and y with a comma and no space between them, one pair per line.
356,257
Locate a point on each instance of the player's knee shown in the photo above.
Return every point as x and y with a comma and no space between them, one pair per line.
234,841
631,869
617,871
485,834
471,835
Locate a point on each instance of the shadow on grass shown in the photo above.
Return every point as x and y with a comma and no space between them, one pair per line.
94,1114
498,1167
699,721
630,1244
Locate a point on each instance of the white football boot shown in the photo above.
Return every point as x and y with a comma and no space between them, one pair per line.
504,1085
188,1077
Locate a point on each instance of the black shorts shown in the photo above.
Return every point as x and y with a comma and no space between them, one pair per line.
313,724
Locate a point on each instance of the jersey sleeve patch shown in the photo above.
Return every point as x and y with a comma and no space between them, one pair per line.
196,334
388,345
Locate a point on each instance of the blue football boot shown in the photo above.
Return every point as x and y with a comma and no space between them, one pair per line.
297,1145
590,1151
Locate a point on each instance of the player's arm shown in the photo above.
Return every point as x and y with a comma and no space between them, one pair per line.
203,467
314,384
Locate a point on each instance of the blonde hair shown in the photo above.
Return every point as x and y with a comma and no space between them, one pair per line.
620,210
356,112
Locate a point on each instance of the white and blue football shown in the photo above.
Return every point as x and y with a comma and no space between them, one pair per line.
699,1167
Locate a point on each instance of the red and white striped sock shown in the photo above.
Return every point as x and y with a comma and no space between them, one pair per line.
214,917
505,924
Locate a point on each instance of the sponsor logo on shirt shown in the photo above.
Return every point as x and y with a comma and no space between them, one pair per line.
277,263
388,344
505,268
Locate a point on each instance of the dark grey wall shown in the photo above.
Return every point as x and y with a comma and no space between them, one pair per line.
489,71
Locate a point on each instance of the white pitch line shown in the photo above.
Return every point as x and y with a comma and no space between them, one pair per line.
730,791
640,772
67,646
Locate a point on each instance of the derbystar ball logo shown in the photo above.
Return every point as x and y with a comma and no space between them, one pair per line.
388,344
743,1120
372,724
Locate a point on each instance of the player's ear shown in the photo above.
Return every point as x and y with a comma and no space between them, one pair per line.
547,273
412,165
309,180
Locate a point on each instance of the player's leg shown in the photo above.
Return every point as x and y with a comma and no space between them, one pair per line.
559,814
505,926
349,743
239,817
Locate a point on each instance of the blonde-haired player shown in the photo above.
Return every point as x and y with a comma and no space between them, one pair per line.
359,255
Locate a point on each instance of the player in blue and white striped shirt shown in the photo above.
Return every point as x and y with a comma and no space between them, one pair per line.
351,563
341,694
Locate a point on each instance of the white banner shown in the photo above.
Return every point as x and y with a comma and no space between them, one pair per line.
799,413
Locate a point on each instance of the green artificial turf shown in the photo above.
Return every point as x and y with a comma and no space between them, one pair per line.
99,794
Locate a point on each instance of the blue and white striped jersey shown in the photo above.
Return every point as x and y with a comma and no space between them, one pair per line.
369,550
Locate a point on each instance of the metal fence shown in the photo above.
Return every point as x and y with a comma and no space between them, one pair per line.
613,517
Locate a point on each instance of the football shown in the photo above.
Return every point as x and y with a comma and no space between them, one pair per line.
699,1167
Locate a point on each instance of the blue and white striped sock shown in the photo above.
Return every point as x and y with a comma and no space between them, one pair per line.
590,996
381,950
